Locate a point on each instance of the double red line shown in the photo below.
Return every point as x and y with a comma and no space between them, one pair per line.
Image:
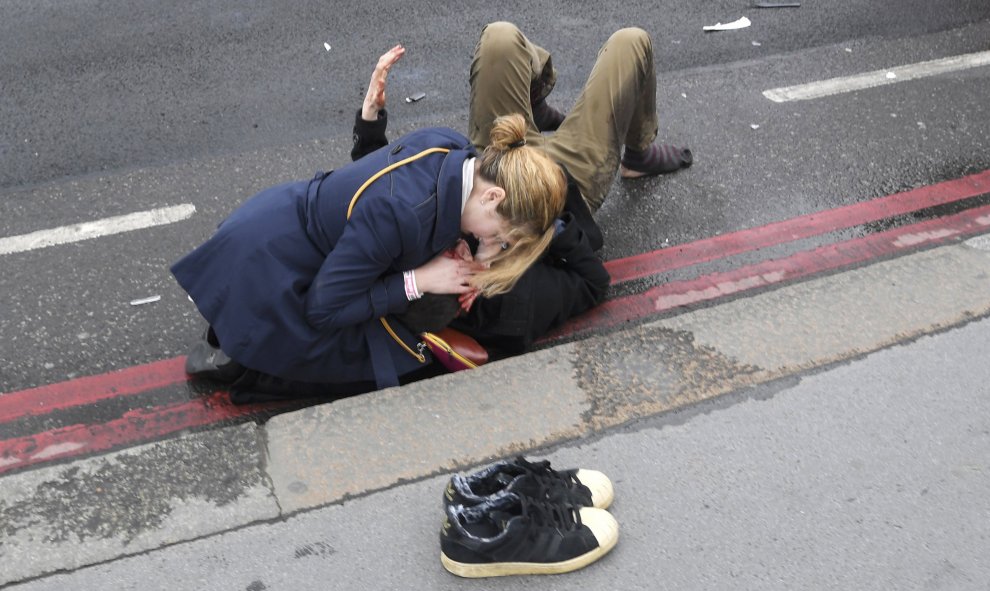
151,423
800,265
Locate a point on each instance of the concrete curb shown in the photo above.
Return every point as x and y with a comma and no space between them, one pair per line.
324,454
95,509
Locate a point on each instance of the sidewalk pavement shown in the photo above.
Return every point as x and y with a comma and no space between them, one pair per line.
90,511
869,475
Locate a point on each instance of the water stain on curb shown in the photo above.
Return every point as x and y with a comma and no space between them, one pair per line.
652,370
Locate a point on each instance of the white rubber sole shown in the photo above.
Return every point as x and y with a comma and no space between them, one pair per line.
602,492
601,523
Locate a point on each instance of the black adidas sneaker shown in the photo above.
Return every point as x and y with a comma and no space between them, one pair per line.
508,534
535,480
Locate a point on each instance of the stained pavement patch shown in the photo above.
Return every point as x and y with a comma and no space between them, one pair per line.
97,509
649,370
315,550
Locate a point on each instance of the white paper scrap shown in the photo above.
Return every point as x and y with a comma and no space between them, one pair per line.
737,24
326,46
754,126
148,300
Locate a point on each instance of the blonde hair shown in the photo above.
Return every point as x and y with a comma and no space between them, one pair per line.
535,191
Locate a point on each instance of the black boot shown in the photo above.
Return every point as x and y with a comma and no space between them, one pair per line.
210,362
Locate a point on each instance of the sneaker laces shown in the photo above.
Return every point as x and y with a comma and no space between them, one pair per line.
544,514
547,477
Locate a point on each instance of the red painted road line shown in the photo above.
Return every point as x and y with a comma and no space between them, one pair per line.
806,226
803,264
135,426
141,378
89,389
146,424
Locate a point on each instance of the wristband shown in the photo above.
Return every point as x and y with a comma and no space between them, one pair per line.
409,280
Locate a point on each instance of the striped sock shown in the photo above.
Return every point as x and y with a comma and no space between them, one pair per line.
657,159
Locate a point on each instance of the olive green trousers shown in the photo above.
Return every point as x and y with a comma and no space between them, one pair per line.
617,106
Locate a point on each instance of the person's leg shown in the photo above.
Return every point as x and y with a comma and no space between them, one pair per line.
509,74
616,107
255,386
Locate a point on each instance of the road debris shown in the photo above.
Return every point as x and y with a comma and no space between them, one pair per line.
148,300
326,46
416,97
741,23
777,5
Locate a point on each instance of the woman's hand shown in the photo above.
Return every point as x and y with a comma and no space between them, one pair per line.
466,300
463,251
374,101
446,274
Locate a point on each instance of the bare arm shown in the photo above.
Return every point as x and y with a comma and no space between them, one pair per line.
371,119
374,101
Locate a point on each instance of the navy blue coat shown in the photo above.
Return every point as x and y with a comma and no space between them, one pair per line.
294,289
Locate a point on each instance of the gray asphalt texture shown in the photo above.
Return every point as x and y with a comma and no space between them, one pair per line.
89,89
107,114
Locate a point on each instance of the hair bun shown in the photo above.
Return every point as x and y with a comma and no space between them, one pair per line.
508,132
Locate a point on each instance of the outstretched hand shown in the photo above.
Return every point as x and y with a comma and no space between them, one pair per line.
374,101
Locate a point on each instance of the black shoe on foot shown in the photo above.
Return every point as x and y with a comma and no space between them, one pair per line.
210,362
535,480
657,159
546,117
512,535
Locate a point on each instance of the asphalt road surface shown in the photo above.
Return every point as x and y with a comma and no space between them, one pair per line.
196,106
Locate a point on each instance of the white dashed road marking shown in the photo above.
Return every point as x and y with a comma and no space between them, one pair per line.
96,229
814,90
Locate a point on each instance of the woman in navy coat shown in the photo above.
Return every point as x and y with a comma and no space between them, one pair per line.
295,282
568,280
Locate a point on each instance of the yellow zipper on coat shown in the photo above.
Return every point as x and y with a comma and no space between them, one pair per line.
350,208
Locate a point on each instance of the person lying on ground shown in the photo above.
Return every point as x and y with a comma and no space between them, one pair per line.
616,112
